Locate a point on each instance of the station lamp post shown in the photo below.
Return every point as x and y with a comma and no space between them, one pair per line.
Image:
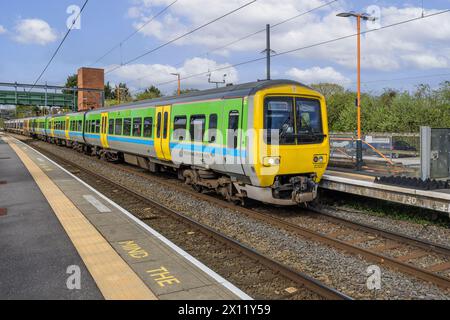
359,17
179,82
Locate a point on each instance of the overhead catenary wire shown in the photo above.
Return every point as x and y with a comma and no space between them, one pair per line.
255,33
135,32
60,45
309,46
181,36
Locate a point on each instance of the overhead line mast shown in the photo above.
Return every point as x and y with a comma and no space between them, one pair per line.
312,45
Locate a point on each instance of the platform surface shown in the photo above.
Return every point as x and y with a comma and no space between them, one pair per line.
103,236
35,251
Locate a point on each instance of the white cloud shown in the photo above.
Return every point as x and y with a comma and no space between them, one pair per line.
34,31
317,75
140,76
2,29
384,50
427,60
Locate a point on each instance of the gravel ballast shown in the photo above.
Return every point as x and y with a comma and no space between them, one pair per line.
344,272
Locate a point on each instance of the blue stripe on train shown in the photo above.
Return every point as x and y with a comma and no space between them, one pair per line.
131,140
208,149
176,146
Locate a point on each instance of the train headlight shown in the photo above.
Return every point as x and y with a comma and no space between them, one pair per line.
271,161
319,159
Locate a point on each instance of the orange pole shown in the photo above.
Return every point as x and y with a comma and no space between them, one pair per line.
359,76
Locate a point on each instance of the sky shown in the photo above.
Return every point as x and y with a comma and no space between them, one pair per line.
399,57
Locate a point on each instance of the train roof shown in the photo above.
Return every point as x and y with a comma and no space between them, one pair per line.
233,91
228,92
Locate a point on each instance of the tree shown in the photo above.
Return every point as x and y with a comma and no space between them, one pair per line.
72,81
328,89
185,91
109,92
149,93
123,92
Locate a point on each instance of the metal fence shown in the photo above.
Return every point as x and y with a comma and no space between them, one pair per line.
393,153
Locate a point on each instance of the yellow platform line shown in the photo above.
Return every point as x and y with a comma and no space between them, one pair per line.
113,276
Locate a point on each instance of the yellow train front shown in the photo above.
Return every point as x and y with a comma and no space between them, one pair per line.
289,147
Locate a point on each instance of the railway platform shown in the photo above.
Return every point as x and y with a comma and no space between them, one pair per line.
62,239
364,185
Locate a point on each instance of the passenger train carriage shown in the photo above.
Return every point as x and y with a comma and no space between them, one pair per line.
264,140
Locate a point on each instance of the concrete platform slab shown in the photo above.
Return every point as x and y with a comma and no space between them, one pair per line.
363,185
167,270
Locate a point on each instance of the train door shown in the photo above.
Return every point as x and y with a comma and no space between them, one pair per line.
67,128
162,133
233,137
104,130
52,128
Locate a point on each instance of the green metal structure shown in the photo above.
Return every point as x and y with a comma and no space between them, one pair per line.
26,98
43,95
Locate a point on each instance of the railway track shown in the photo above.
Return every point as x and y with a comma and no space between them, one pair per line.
139,205
361,235
341,229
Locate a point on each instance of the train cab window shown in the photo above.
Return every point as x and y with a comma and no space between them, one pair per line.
111,126
212,131
127,127
148,127
233,126
137,127
118,127
309,121
179,128
197,127
279,120
97,126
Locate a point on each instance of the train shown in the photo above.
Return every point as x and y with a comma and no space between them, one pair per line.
265,140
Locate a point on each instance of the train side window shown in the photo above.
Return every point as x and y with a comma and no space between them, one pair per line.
179,128
148,127
212,131
137,127
158,126
166,125
118,129
92,126
97,126
80,125
197,127
127,126
233,126
111,126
